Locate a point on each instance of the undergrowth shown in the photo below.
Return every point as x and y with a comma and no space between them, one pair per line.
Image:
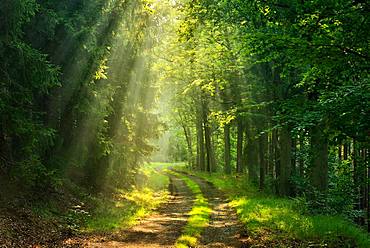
126,207
277,218
106,212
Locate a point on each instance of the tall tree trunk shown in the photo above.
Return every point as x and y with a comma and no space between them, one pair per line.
275,145
368,188
251,153
239,146
270,161
294,156
262,144
227,155
285,170
6,153
356,180
319,159
363,189
189,144
200,142
345,150
301,160
208,138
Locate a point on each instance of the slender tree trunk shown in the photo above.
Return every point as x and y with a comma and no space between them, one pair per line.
262,160
227,154
319,159
285,171
189,144
364,179
251,153
301,160
6,153
270,162
294,155
356,180
276,150
208,139
239,146
345,151
368,188
200,142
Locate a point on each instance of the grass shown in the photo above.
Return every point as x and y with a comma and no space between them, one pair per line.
275,218
126,207
199,215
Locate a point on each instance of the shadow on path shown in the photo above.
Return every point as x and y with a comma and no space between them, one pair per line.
224,230
157,230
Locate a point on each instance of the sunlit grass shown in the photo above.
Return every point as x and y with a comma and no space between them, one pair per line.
150,176
199,215
281,218
128,206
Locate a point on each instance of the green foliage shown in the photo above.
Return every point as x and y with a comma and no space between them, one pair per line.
69,74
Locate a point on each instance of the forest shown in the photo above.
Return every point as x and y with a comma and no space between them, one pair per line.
184,123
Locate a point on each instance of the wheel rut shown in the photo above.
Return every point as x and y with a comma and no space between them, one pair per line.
224,230
160,229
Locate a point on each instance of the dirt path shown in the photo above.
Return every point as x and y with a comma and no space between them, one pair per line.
165,226
224,229
158,230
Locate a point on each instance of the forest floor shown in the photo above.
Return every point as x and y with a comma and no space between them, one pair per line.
201,211
161,229
165,226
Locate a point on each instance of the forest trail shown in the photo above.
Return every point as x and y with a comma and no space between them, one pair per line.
160,229
165,226
224,230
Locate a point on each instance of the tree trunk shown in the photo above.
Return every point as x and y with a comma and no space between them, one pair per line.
270,162
239,146
200,142
275,145
285,170
368,188
189,144
262,160
319,159
251,153
345,151
227,149
209,148
294,156
301,160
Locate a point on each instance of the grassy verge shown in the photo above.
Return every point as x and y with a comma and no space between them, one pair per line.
126,207
199,215
280,221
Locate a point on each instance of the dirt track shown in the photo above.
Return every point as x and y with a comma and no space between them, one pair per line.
164,227
224,229
158,230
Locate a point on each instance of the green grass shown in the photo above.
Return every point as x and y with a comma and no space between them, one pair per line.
199,215
281,218
126,207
